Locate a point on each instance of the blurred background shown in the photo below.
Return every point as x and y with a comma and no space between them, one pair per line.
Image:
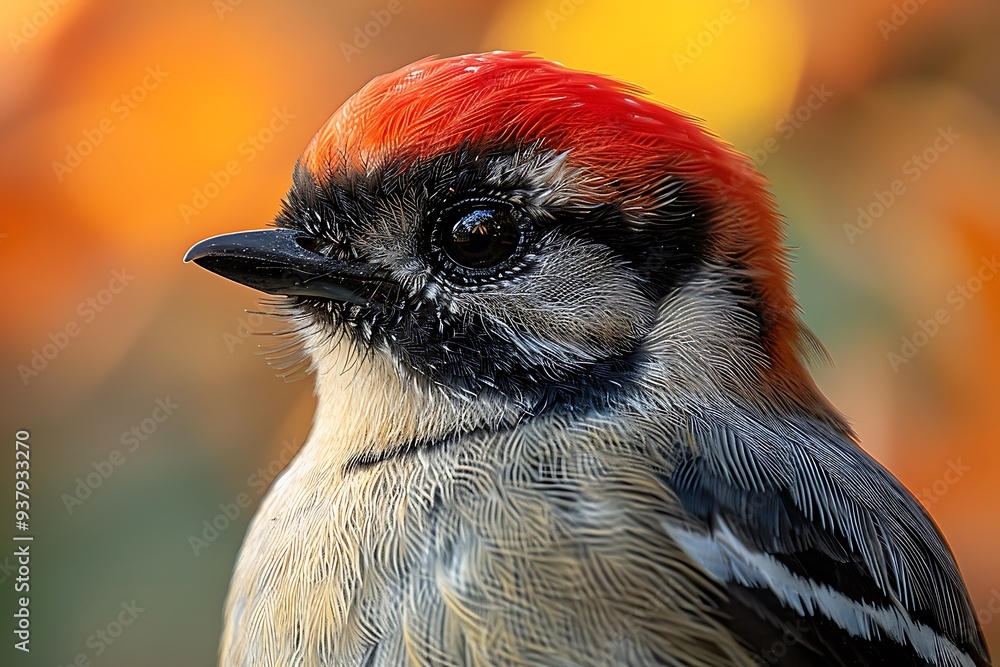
129,131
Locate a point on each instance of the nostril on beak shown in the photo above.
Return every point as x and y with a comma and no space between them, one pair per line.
310,243
314,245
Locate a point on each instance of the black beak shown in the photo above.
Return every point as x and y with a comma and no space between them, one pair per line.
277,261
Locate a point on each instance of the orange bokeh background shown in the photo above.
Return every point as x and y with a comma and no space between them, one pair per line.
128,131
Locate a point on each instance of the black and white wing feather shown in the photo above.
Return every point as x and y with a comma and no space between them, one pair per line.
826,558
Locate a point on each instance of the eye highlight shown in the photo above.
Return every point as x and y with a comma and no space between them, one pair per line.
481,237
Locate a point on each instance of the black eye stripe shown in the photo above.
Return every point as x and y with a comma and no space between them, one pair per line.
466,201
664,247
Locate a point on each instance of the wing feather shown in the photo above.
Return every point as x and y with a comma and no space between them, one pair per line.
798,522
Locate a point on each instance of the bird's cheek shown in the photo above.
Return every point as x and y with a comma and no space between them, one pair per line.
593,320
611,322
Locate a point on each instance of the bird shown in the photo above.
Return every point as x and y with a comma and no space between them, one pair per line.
564,414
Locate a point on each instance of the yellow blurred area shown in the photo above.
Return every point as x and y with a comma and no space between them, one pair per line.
679,52
129,131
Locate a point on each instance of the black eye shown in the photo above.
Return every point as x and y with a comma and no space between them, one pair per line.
480,238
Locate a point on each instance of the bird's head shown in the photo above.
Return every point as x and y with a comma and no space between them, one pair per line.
499,229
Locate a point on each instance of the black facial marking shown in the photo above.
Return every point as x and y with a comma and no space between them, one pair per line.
470,222
664,246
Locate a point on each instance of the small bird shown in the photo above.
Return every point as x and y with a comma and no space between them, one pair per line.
563,415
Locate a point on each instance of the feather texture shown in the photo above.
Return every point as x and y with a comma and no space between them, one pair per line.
601,449
674,529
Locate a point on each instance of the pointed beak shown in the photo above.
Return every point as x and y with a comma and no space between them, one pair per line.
277,261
